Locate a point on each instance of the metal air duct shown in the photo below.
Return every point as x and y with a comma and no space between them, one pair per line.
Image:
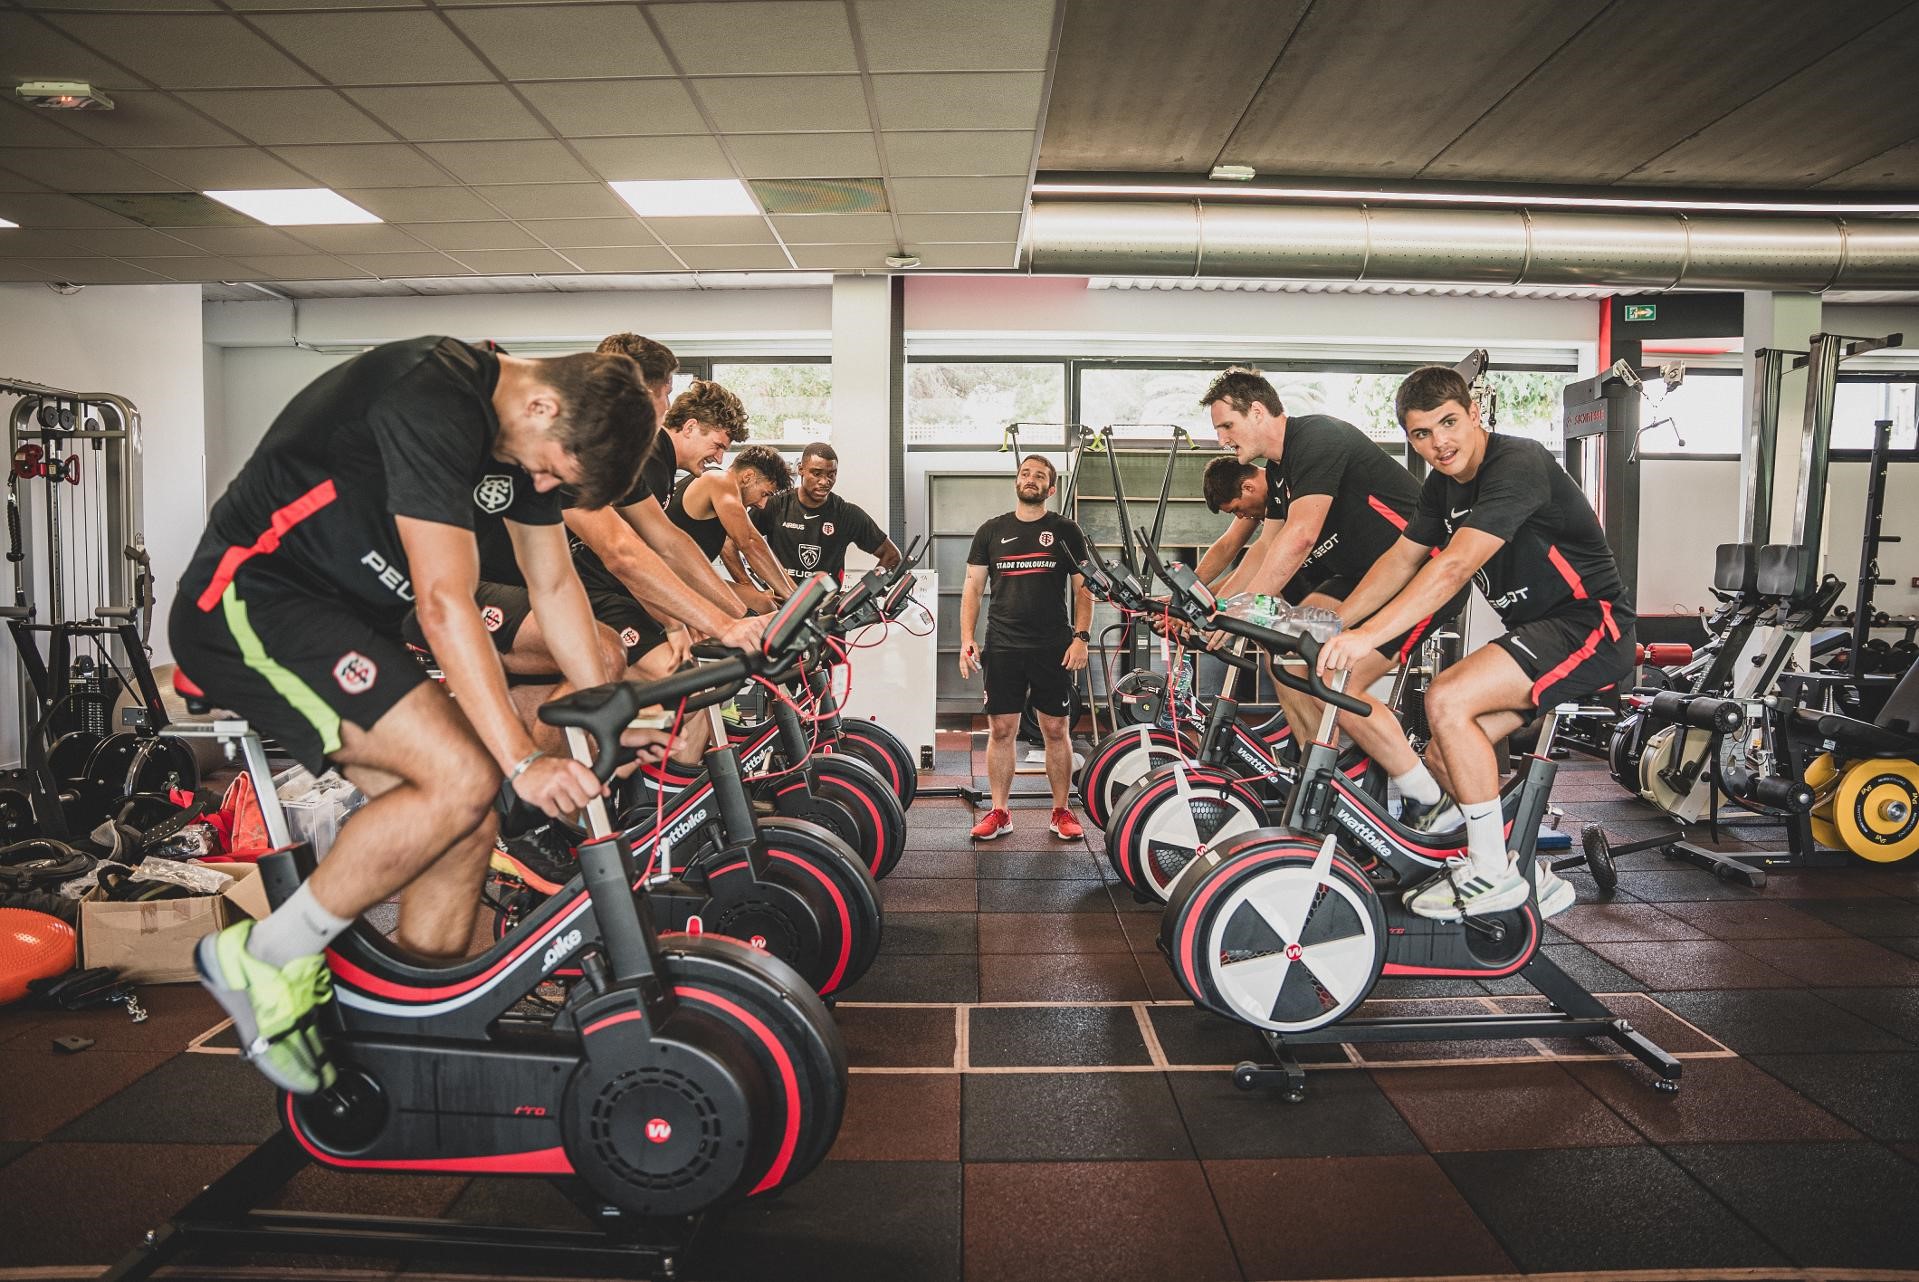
1469,246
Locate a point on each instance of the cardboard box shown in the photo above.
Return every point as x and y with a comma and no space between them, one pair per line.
153,943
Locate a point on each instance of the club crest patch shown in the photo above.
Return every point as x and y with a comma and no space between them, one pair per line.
629,637
355,672
810,556
493,617
826,528
494,494
1046,538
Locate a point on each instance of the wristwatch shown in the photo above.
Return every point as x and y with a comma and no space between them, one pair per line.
1082,635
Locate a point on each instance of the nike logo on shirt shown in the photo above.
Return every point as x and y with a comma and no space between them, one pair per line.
1013,539
1459,512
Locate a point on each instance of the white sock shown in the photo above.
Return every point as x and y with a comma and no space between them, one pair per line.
1418,785
298,928
1486,839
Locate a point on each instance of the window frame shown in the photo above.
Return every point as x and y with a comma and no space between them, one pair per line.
705,366
1898,454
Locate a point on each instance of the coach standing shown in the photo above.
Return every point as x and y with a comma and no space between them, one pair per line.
1032,556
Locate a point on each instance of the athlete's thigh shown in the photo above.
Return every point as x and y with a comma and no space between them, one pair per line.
424,739
1488,680
530,655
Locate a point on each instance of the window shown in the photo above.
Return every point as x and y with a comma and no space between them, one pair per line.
1147,400
787,404
971,403
1859,403
1707,414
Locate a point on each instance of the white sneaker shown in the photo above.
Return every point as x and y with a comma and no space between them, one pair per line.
1556,894
1462,892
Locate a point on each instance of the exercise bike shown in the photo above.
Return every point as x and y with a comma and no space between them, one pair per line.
1280,929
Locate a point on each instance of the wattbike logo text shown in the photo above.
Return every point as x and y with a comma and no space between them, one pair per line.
687,823
1367,834
561,947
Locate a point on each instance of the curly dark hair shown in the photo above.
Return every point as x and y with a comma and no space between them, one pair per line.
713,405
1224,476
656,360
1428,388
606,420
1240,388
768,462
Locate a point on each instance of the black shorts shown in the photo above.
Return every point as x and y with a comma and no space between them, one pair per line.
1017,678
294,664
503,610
639,631
1575,653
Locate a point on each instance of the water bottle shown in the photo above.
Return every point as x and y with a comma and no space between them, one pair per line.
1258,608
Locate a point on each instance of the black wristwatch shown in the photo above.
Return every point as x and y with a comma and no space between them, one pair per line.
1082,635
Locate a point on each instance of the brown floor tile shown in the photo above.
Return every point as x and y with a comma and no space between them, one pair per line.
1430,1230
1682,964
316,1188
1142,931
1159,1222
1063,862
900,1117
61,1088
897,1036
1718,1101
1161,984
1645,1014
92,1203
1612,923
1061,977
929,894
176,1014
953,838
1753,919
923,861
928,815
1828,883
1502,1106
1050,933
1839,963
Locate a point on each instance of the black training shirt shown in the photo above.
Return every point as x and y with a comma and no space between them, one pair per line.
709,533
1373,496
1029,565
655,482
406,429
1555,550
814,539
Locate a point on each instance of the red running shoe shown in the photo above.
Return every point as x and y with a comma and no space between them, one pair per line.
1066,827
996,824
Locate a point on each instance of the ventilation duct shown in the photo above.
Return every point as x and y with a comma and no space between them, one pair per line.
1478,246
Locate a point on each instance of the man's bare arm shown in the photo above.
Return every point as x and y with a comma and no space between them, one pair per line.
1219,557
642,570
677,548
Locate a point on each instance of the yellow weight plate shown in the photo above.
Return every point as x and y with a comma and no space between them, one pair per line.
1822,776
1876,809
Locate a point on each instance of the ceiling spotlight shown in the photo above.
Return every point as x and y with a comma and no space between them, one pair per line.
1233,173
902,259
64,95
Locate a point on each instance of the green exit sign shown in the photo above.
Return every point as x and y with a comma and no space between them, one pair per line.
1641,311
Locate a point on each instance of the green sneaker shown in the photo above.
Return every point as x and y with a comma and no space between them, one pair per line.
273,1007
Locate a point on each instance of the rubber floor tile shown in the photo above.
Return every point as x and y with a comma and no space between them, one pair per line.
191,1099
1062,977
1612,923
846,1222
1674,885
1125,901
1051,933
1429,1231
916,934
1824,1205
921,860
515,1200
1587,968
1873,1092
12,1149
1838,963
1070,1117
1827,883
895,977
92,1203
1031,895
1189,1035
1502,1106
1865,916
1055,1036
929,895
900,1117
1072,864
1904,946
1141,931
1588,1210
930,816
1030,836
1344,1114
1719,1101
897,1036
1679,965
176,1014
1894,1009
1788,1021
954,839
63,1090
1754,919
1114,1221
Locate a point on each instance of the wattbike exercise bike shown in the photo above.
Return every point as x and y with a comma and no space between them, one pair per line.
682,1073
1281,929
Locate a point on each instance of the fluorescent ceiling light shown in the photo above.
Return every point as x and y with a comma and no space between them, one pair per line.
1514,200
5,223
295,206
686,198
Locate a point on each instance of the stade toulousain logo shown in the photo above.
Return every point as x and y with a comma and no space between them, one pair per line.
493,617
494,494
629,637
355,672
1046,538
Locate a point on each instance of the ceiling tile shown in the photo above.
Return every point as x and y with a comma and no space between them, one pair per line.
196,268
97,271
959,100
957,195
555,200
734,258
396,266
623,159
22,126
187,51
21,271
805,155
758,36
938,35
220,168
273,117
129,242
24,242
33,209
629,259
596,108
147,119
32,50
835,229
268,6
1895,169
515,262
768,104
939,155
365,165
967,257
271,267
358,238
565,44
542,161
420,204
82,169
585,233
711,231
120,6
842,258
438,113
239,242
498,234
959,227
375,48
11,181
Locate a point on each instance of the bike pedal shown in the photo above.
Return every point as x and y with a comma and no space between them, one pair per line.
1492,930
